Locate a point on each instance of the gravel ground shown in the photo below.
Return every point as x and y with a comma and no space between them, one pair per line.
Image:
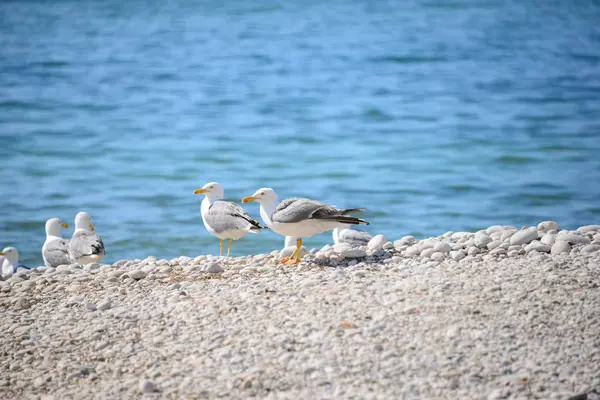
519,317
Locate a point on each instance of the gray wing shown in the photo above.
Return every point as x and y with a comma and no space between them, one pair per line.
57,253
85,243
295,210
227,216
355,237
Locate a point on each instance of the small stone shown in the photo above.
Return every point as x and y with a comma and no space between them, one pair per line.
405,240
572,238
388,246
64,269
353,253
525,236
443,247
136,274
498,251
546,226
537,246
103,306
175,286
147,386
590,248
473,251
438,256
75,300
548,239
560,247
359,274
413,251
506,235
92,266
588,228
494,228
90,306
482,240
457,255
376,242
494,244
213,268
427,252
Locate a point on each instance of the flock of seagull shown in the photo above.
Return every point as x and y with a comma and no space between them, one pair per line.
84,247
294,218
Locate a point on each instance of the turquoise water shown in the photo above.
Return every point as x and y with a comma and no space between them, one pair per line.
434,115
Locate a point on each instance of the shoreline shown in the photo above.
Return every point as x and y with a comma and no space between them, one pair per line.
431,318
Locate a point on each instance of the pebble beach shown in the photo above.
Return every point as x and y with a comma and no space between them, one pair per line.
495,314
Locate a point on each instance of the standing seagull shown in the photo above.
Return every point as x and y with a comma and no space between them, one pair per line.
56,249
224,219
300,217
11,262
85,247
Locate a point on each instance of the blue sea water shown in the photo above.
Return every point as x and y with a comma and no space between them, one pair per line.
435,115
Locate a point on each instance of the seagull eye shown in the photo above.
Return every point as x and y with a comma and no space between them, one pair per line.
262,194
212,187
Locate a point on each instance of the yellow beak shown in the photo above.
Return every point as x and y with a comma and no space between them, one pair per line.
64,226
200,191
248,199
91,226
1,253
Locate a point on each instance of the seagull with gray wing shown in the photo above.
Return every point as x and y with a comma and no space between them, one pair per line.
85,247
300,217
224,219
55,250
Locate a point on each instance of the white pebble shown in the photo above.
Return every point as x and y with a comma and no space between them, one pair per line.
443,247
546,226
537,246
494,244
136,274
105,305
590,248
482,240
506,235
213,268
413,251
457,255
525,236
548,239
560,247
427,252
589,228
494,228
147,386
353,253
376,242
572,238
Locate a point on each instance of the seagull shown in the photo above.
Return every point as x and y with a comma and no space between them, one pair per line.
11,262
300,217
351,236
85,247
56,249
224,219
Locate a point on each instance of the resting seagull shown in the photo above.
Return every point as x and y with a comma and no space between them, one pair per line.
300,217
11,262
55,250
351,236
224,219
85,247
